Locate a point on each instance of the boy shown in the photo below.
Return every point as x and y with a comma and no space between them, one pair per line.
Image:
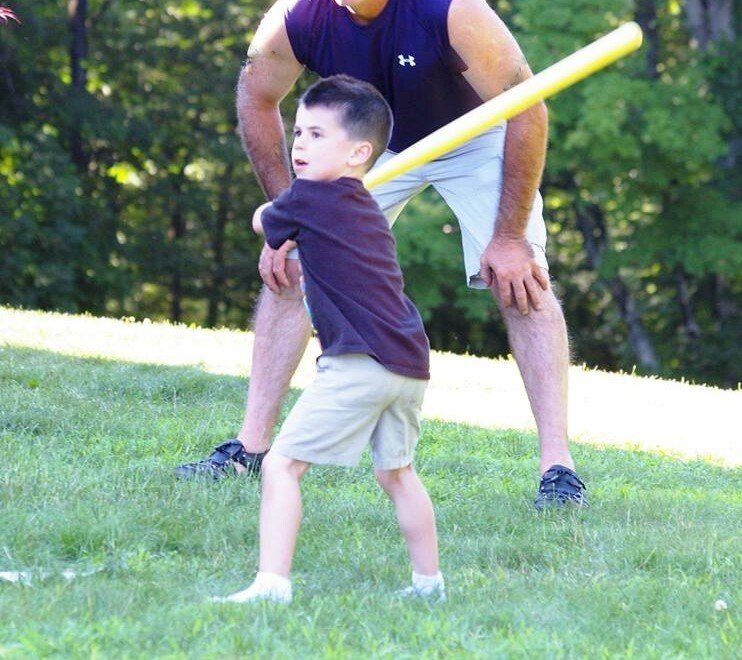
373,370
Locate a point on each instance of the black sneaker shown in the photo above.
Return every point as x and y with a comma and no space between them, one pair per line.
222,463
559,486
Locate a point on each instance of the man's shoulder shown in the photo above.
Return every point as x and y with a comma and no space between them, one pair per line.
431,13
305,11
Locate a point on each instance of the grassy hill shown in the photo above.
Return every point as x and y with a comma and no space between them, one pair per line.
95,412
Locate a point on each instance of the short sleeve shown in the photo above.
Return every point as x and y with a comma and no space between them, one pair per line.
280,220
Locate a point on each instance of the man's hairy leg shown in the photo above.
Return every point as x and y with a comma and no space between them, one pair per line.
282,330
541,350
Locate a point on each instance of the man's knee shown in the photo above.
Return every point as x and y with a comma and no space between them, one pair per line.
289,298
293,271
291,293
550,313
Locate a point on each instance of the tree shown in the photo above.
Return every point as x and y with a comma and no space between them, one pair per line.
124,190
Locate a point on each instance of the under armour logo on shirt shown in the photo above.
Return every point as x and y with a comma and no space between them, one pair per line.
404,61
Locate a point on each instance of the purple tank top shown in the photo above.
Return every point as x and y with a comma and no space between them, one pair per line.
405,53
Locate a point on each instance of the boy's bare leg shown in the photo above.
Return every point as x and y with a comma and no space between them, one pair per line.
282,330
415,515
280,517
280,512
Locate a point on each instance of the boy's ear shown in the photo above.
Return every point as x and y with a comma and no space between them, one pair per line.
363,151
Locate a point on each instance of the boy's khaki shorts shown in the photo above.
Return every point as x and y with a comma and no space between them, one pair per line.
354,402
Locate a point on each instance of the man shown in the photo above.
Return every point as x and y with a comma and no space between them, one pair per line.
433,60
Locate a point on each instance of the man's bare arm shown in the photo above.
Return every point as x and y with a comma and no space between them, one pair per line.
524,159
495,64
268,75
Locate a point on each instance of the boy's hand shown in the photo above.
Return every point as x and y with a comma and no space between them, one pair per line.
272,266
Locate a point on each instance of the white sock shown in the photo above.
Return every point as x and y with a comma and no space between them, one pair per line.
428,584
266,586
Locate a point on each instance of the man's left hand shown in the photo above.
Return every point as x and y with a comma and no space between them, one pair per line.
509,268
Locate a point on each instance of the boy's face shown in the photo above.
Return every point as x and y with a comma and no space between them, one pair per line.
322,149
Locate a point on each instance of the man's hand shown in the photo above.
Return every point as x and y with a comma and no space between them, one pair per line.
272,266
508,264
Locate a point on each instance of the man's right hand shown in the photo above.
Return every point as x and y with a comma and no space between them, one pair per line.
272,266
509,268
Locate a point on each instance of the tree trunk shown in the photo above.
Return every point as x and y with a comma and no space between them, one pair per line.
691,327
592,227
218,273
175,235
76,17
724,307
7,88
710,21
640,342
646,17
177,231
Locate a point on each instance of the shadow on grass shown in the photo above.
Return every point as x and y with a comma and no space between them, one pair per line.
113,414
44,394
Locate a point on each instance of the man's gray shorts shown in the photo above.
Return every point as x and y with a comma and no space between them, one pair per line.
469,179
354,403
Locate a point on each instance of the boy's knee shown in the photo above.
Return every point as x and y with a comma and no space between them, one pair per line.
275,464
391,480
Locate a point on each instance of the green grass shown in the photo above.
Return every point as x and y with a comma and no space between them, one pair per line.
87,445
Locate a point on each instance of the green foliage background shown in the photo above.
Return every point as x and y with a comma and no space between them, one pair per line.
127,193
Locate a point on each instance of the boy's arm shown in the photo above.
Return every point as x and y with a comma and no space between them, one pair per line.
278,221
257,218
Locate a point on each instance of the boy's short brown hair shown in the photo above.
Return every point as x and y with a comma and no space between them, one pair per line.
364,113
